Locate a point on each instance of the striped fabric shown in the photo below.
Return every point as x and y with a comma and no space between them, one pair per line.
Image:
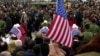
60,30
17,32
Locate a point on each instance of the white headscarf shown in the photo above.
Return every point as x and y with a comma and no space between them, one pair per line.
74,26
16,25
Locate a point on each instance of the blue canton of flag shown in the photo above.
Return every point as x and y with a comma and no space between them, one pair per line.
61,9
14,31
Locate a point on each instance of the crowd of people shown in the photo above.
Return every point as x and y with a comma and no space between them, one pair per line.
83,17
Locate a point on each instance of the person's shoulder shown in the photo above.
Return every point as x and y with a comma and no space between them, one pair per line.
44,45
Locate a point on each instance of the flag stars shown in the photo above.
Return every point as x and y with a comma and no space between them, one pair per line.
61,11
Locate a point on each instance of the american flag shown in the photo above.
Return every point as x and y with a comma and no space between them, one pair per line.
16,32
60,30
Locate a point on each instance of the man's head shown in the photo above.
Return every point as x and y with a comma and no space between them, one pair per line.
5,53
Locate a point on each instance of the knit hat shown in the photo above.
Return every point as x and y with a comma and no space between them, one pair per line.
45,23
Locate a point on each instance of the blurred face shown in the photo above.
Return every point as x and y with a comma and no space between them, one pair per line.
42,11
7,54
56,44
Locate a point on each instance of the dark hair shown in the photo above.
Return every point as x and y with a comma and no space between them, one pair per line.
31,43
20,53
46,40
13,37
3,46
39,40
27,39
37,49
87,26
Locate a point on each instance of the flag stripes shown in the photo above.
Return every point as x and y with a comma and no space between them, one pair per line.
60,30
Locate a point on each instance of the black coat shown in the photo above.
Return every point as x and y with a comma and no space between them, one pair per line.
45,49
17,50
15,18
79,16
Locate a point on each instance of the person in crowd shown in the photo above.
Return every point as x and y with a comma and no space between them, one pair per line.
5,53
30,17
3,46
18,48
11,46
44,28
37,23
29,51
94,28
46,16
45,47
92,48
37,50
26,43
8,21
24,18
39,38
14,15
2,24
79,16
87,35
85,21
71,18
7,38
20,53
77,42
75,30
29,26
